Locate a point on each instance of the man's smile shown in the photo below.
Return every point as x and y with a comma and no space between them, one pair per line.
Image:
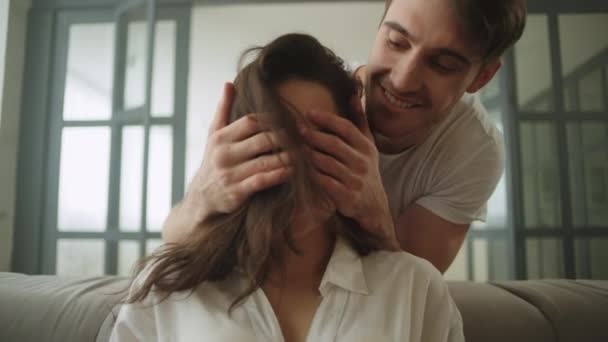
399,102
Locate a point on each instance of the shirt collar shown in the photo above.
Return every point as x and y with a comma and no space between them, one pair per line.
344,270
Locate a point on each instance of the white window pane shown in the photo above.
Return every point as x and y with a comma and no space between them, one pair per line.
80,257
83,179
591,255
480,259
131,178
598,257
540,170
499,259
583,59
152,245
160,166
588,161
89,75
128,255
459,269
135,69
163,74
532,67
590,94
544,258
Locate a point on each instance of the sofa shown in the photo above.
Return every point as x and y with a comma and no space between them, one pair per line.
51,308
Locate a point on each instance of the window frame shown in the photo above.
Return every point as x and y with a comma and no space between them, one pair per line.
37,235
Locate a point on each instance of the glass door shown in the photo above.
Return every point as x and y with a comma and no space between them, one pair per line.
560,130
114,167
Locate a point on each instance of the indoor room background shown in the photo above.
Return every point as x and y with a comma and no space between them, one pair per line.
105,107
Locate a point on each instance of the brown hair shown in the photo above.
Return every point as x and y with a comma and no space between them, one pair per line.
495,25
244,241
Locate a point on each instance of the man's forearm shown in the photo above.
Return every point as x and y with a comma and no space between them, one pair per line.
184,218
382,223
426,235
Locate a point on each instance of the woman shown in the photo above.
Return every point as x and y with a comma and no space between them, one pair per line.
287,266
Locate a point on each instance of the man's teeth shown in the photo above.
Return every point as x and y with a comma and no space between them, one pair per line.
396,102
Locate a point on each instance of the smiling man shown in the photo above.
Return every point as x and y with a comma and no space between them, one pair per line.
422,166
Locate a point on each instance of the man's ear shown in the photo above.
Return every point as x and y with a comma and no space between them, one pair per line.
484,75
361,73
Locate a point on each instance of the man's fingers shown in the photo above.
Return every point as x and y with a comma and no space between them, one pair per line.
336,192
261,164
339,126
335,147
262,181
239,130
334,169
222,114
260,143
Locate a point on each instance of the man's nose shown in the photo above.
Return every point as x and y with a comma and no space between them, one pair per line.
407,74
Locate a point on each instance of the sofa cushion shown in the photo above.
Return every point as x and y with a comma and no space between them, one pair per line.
490,313
51,308
577,310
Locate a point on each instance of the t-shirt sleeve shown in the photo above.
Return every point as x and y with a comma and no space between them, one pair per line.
466,183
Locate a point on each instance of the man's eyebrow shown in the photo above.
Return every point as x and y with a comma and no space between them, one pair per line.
397,27
444,51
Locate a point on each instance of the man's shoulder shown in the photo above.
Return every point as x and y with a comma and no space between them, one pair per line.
467,132
470,121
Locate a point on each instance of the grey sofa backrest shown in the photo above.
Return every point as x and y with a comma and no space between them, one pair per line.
51,308
533,310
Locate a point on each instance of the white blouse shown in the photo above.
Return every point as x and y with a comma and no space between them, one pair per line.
385,296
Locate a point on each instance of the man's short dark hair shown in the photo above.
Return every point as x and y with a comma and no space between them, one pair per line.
494,24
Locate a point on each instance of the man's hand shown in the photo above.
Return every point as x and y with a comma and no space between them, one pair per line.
346,161
238,162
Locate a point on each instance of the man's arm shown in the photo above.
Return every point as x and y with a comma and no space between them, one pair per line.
238,161
185,217
426,235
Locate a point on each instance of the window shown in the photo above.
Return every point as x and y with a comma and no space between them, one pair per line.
560,135
114,146
548,215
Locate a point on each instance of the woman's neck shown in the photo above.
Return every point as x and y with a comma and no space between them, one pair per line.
303,269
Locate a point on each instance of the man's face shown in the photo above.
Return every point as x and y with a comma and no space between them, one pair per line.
420,65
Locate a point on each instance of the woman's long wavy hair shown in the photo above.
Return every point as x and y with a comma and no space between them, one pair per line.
246,240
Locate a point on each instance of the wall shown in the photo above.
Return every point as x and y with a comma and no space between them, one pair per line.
13,19
4,6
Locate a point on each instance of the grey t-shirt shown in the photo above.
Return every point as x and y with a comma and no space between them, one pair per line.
455,170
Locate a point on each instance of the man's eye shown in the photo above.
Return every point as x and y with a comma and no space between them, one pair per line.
444,68
394,44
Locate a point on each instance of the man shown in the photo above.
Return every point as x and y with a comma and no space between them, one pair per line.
439,154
